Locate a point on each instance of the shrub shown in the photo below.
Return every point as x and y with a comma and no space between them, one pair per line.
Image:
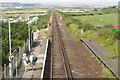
116,35
108,26
68,24
86,26
105,33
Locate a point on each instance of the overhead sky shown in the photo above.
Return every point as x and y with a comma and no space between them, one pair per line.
59,1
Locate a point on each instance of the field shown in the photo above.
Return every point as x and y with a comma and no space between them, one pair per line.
22,12
100,20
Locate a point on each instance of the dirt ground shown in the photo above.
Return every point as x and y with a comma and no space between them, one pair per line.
81,63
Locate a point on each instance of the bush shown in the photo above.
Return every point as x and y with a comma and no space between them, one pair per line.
68,24
42,18
86,26
109,26
5,59
105,33
19,34
116,35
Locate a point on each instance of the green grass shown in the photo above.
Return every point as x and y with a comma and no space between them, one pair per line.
79,13
98,61
73,29
90,34
110,10
92,56
107,73
100,20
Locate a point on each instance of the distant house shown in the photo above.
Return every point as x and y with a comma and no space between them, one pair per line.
81,11
11,18
20,19
3,19
86,10
27,19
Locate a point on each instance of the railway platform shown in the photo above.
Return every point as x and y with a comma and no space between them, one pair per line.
103,54
39,51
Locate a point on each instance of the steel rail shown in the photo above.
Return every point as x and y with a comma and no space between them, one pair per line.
64,52
51,76
64,56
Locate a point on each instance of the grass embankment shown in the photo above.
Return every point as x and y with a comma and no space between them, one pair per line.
107,35
97,27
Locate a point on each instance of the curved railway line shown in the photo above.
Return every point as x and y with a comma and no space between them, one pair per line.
59,62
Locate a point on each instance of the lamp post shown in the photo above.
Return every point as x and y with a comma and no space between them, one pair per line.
29,34
28,19
43,29
31,38
10,57
29,22
10,61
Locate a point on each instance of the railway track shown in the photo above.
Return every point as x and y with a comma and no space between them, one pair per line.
59,62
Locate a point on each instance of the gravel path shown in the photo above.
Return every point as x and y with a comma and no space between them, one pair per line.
81,63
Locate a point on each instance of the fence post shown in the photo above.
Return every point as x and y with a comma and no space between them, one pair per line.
13,64
4,70
24,47
7,71
19,50
27,44
32,39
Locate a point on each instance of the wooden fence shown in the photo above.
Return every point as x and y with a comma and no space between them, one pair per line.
5,73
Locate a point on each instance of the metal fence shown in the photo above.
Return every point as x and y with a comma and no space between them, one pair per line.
5,73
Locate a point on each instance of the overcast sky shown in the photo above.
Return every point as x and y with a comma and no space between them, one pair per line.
59,1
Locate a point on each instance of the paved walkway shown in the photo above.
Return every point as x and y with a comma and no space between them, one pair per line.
39,51
103,55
